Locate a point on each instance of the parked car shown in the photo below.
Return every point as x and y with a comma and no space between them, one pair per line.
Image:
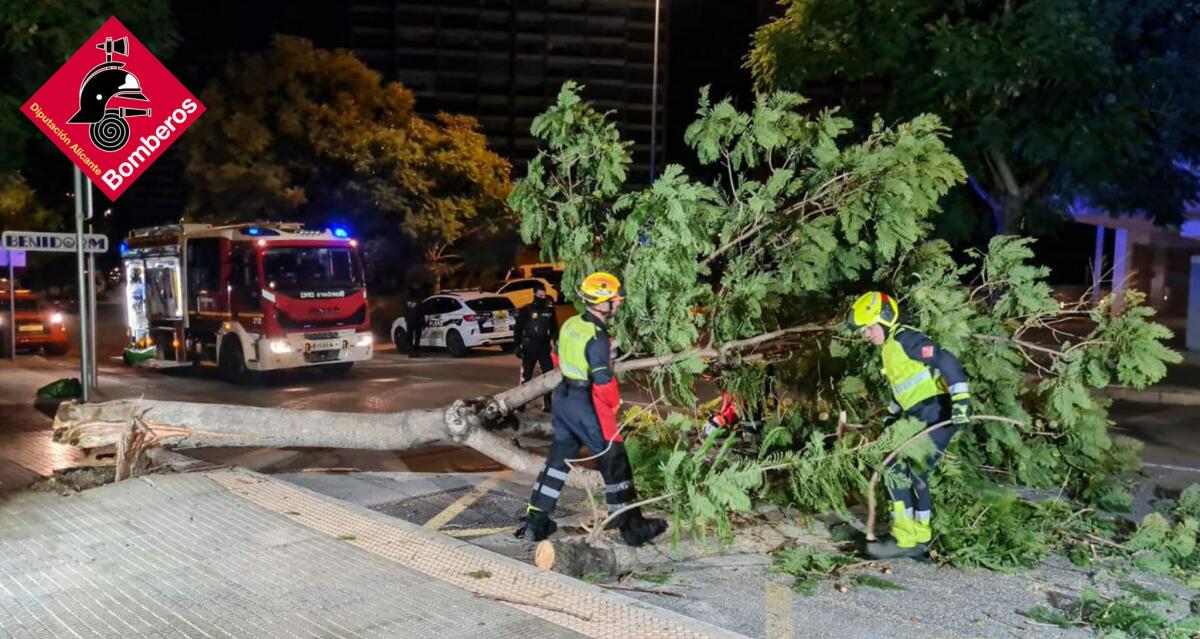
520,291
38,325
551,272
461,320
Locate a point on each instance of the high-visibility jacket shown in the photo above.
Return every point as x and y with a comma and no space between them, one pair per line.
917,368
583,350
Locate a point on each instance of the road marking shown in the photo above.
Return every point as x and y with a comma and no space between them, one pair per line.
476,532
1188,469
778,622
464,502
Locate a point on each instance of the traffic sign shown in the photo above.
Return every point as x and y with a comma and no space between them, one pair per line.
52,242
16,258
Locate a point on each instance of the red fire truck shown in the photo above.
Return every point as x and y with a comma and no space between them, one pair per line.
249,297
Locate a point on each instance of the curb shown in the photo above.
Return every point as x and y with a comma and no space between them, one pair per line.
1171,396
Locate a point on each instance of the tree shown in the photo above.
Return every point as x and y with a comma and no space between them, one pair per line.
753,271
1048,100
303,132
36,38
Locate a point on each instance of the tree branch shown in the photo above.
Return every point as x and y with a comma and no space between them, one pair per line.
1004,171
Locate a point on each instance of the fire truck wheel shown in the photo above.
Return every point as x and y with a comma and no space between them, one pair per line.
336,370
454,344
232,365
58,350
400,339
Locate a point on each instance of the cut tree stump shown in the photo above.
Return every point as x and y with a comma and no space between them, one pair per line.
575,557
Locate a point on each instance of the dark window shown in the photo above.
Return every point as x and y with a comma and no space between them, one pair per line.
522,285
26,305
485,304
293,267
203,266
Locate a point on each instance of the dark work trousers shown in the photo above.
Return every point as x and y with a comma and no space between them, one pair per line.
575,425
915,494
414,338
534,353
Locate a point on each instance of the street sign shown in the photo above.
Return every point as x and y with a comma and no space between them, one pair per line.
13,258
52,242
112,108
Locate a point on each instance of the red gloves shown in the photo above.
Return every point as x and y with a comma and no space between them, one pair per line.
606,398
554,356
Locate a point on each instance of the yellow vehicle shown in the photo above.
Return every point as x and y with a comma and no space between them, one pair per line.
520,291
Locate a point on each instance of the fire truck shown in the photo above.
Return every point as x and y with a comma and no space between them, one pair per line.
247,297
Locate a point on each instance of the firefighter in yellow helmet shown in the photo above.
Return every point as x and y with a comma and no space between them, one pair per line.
585,414
928,382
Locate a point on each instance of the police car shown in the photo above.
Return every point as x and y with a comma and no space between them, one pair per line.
460,321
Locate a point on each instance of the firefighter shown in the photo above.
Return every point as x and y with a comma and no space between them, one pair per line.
585,413
534,336
928,383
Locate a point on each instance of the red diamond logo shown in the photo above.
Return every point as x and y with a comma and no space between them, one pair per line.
113,108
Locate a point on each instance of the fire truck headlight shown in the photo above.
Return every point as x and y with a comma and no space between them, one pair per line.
56,318
280,347
365,339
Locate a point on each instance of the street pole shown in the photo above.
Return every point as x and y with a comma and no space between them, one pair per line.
83,306
91,280
654,97
12,309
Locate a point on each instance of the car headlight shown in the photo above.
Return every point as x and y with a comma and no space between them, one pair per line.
365,339
56,318
280,347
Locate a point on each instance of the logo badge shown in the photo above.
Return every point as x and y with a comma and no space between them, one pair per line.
926,352
113,108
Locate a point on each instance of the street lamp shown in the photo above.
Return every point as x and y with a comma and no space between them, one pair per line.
654,96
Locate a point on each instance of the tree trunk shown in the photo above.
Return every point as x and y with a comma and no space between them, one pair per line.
179,425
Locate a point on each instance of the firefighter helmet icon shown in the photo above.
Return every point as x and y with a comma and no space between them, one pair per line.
109,131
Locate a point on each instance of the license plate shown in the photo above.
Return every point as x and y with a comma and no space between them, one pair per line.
501,314
29,328
326,345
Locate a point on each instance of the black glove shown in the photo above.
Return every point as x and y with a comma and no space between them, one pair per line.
960,412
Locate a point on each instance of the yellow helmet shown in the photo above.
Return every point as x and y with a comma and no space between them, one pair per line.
873,308
600,287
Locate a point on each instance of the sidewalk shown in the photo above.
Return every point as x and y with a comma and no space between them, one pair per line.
237,554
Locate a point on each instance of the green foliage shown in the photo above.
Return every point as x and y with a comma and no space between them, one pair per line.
1112,129
1138,615
871,581
19,206
298,132
798,221
809,566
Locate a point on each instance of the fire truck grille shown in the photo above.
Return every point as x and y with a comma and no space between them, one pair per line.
330,335
321,356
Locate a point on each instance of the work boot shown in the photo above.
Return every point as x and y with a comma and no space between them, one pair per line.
637,530
889,548
537,526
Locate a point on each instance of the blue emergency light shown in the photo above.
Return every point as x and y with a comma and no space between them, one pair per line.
253,230
340,232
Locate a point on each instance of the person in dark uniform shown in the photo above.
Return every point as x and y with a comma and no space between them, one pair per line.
414,323
585,414
534,336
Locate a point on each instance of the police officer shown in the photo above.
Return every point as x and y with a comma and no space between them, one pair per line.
585,413
928,382
414,321
534,337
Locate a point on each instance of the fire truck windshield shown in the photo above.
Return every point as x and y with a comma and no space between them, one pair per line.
291,267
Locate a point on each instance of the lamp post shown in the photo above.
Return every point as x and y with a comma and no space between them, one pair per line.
654,96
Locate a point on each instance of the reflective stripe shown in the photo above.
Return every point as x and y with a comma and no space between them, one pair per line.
571,371
549,492
556,473
616,488
961,387
924,515
905,385
894,408
612,508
